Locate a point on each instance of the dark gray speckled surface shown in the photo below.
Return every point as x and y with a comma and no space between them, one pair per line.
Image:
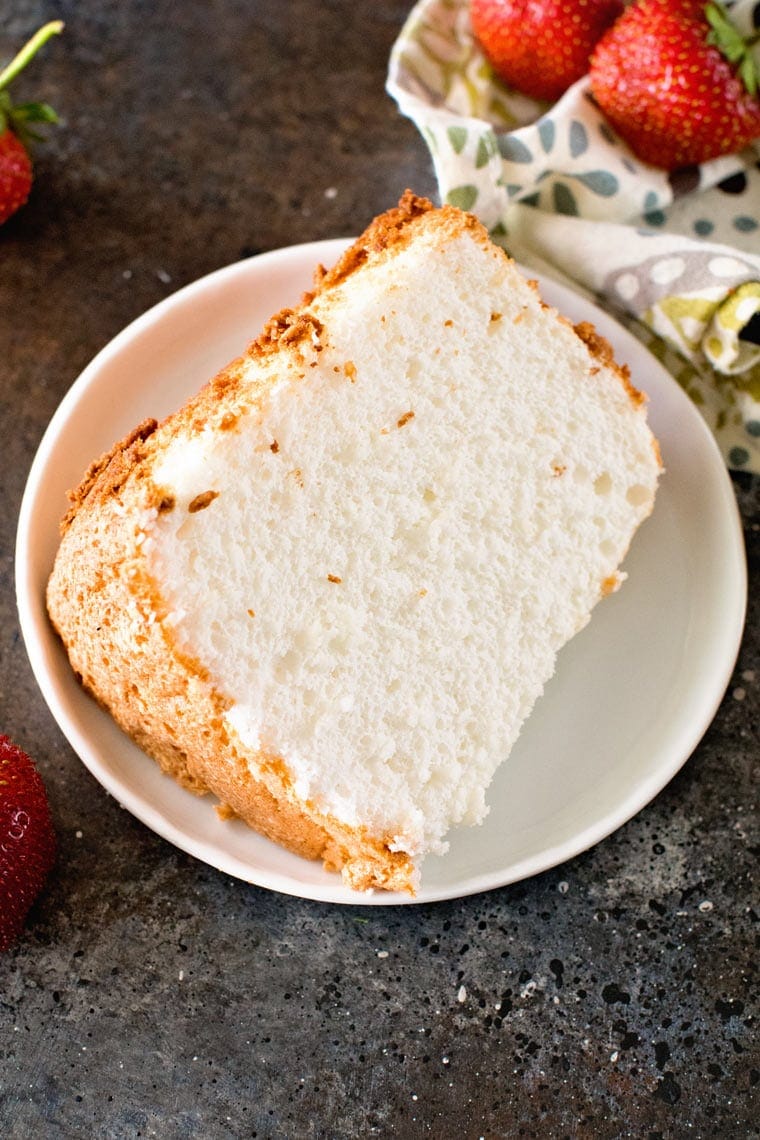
154,997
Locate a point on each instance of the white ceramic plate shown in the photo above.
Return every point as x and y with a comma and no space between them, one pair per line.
632,695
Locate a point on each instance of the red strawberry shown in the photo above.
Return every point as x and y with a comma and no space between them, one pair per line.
541,47
27,841
677,81
15,164
15,174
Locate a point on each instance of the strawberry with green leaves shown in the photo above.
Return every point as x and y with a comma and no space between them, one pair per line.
678,82
27,840
15,130
540,47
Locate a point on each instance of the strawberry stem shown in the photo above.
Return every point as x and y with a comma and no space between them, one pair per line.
19,61
732,44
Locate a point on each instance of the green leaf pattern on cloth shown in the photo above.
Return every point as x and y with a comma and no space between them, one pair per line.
675,256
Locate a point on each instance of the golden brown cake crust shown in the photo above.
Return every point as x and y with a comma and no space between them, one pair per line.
110,471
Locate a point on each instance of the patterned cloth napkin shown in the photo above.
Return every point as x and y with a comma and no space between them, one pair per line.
675,257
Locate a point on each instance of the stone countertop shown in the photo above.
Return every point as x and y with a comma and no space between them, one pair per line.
153,996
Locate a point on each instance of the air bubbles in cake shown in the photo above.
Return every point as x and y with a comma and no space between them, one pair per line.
603,483
413,368
638,495
338,645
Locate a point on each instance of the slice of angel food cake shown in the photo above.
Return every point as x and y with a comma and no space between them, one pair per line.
332,586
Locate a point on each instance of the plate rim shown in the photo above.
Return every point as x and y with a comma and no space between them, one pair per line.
30,617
